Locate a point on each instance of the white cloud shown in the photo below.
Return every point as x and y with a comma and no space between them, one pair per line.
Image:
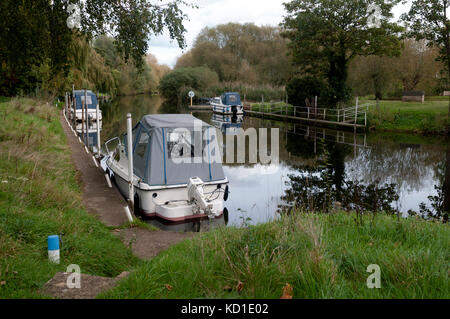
214,12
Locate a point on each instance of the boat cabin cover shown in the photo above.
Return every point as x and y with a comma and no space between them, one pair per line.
231,98
90,97
166,150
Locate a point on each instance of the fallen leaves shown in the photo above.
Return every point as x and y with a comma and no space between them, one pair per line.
288,292
240,286
169,287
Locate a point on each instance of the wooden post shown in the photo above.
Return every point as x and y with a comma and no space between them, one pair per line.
356,110
86,139
324,110
262,102
338,116
315,106
74,117
295,111
378,105
308,111
82,118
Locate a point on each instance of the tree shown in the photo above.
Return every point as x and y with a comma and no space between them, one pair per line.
243,53
428,20
34,33
174,86
327,34
414,69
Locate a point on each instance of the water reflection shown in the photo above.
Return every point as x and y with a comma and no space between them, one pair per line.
198,226
416,165
227,124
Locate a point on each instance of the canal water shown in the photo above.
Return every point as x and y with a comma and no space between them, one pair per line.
415,164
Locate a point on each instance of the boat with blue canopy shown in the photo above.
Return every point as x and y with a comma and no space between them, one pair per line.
228,104
177,168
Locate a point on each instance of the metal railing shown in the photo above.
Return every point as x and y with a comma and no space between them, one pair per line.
356,115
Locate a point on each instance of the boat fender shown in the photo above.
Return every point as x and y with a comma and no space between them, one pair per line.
225,196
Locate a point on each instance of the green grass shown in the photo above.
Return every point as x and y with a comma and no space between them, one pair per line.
319,256
428,117
40,196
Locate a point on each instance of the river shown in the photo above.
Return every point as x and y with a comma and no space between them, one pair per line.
415,164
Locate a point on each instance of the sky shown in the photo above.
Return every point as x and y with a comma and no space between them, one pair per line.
214,12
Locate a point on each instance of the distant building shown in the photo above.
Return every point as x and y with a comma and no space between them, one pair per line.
413,96
446,93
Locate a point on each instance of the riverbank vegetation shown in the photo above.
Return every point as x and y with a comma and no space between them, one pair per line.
429,117
244,58
40,196
49,45
301,256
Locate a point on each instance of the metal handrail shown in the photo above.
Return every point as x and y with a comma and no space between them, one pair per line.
109,141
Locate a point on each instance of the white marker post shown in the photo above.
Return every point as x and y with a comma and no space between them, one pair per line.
98,130
130,160
191,95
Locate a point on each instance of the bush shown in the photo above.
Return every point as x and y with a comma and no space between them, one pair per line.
174,85
307,87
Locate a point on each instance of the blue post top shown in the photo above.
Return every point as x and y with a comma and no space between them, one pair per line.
53,242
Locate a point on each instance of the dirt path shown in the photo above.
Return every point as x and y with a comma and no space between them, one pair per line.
108,205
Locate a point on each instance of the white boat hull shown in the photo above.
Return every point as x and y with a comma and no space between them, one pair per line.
227,109
178,209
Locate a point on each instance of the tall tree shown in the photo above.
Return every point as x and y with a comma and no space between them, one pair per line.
34,33
243,53
428,19
327,34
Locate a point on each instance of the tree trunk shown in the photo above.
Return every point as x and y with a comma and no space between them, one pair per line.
337,78
446,186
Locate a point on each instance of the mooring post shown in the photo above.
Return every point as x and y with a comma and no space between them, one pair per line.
82,118
130,161
86,140
315,107
262,103
97,111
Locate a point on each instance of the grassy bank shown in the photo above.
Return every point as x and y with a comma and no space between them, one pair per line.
429,117
319,256
40,196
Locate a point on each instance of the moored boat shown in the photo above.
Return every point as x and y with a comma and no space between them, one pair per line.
175,176
228,104
77,109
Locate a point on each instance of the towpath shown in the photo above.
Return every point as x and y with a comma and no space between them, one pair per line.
107,204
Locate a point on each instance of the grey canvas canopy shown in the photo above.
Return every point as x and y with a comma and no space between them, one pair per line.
158,147
91,99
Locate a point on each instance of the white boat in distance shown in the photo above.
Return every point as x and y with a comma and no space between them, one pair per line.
228,104
164,187
91,102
